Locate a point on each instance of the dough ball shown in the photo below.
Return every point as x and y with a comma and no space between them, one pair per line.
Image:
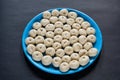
37,56
82,32
76,26
58,38
44,22
90,30
66,58
32,32
50,27
88,45
73,39
46,60
64,67
66,35
50,34
63,12
29,40
65,43
74,64
75,56
31,48
74,32
37,25
77,47
60,53
83,52
58,24
53,19
79,20
41,31
56,61
66,27
63,19
82,39
46,14
92,52
68,50
50,51
85,25
58,31
91,38
41,47
84,60
70,21
56,45
72,15
48,42
39,39
55,12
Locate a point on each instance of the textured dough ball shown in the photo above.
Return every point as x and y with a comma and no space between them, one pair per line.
73,39
70,21
92,52
60,53
55,12
76,26
83,52
68,50
58,31
63,19
53,19
50,34
84,60
41,47
32,32
37,25
85,25
66,35
74,64
74,32
90,30
66,58
41,32
56,61
88,45
77,47
50,51
82,39
72,15
65,43
79,20
64,67
75,56
37,56
82,32
46,14
46,60
44,22
58,38
66,27
31,48
39,39
50,27
58,24
48,42
29,40
91,38
63,12
56,45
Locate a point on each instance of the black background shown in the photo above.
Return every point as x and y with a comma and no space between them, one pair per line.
15,14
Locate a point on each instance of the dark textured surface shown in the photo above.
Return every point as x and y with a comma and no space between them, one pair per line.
15,14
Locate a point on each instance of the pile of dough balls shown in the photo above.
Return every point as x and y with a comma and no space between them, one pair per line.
62,39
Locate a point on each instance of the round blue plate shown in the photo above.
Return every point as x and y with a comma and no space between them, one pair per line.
51,69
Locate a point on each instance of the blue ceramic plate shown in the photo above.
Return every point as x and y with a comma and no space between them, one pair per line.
51,69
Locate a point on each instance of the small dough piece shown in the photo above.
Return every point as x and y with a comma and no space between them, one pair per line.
92,52
66,58
37,25
82,32
65,43
75,56
76,26
58,24
50,34
66,35
85,25
50,51
88,45
53,19
31,48
41,47
56,45
41,31
58,38
66,27
63,19
70,21
39,39
83,52
44,22
32,32
77,47
55,12
84,60
72,15
50,27
29,40
46,14
91,38
48,42
37,56
82,39
74,32
74,64
56,61
60,53
46,60
79,20
90,30
68,50
58,31
63,12
73,39
64,67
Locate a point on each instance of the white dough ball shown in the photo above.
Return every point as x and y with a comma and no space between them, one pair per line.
50,27
56,45
79,20
46,60
60,53
37,56
29,40
65,43
55,12
66,58
31,48
64,67
74,64
70,21
76,26
75,56
73,39
91,38
82,32
48,42
58,38
37,25
56,61
53,19
39,39
85,25
74,32
41,47
77,47
66,27
58,31
83,52
82,39
50,34
50,51
63,19
44,22
66,35
63,12
32,32
90,30
41,31
46,14
72,15
58,24
88,45
68,50
92,52
84,60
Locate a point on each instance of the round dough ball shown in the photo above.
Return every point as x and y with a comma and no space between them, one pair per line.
58,38
37,25
72,15
82,39
50,34
53,19
55,12
83,52
66,58
82,32
50,27
91,38
50,51
66,27
65,43
66,35
63,19
60,53
88,45
85,25
46,60
73,39
76,26
74,32
39,39
46,14
56,45
41,47
37,56
64,67
70,21
41,31
58,31
63,12
44,22
56,61
90,30
77,47
79,20
84,60
68,50
31,48
29,40
74,64
92,52
75,56
48,42
58,24
32,32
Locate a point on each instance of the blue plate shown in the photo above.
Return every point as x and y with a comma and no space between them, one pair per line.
51,69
